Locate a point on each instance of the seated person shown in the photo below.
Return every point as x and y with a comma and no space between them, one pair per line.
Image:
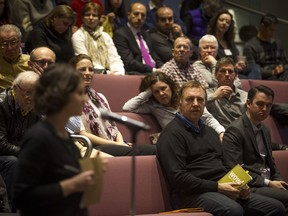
104,134
134,45
158,96
12,60
247,141
16,116
91,40
40,59
190,153
268,52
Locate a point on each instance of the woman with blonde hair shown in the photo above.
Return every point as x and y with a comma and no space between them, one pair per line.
54,31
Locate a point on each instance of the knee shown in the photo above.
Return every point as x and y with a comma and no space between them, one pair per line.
235,210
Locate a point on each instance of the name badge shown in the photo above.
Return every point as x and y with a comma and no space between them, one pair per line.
227,52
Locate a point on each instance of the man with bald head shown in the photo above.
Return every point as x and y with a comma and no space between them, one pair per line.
134,45
41,58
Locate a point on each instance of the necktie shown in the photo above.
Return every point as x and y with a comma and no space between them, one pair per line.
144,51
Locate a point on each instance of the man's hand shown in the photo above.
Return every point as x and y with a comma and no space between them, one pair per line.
177,30
223,91
278,184
229,189
244,192
209,60
278,70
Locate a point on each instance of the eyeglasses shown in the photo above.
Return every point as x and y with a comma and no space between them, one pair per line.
27,93
42,62
5,44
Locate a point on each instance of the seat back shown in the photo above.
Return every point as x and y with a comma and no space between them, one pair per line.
281,160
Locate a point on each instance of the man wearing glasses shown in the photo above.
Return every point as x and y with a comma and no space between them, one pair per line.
16,116
12,60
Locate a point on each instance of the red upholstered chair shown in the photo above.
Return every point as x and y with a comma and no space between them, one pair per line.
281,161
151,195
245,84
117,89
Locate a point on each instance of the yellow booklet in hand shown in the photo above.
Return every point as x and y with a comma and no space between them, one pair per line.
237,175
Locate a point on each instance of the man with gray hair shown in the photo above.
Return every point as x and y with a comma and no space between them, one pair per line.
16,116
12,60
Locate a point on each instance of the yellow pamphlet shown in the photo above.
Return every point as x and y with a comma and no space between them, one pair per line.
93,193
237,175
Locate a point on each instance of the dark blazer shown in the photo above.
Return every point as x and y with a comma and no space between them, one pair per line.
240,147
130,52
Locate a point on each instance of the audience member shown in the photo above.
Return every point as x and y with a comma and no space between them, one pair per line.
150,21
196,20
29,13
41,58
55,32
116,11
104,134
208,48
12,60
164,34
268,52
3,12
91,40
158,96
77,6
222,27
188,5
247,141
134,45
225,100
179,69
191,155
16,116
48,151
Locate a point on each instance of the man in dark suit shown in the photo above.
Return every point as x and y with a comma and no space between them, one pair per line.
247,141
128,41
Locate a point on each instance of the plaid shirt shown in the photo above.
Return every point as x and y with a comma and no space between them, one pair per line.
182,75
266,54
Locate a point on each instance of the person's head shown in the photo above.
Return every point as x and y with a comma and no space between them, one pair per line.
208,45
164,20
210,7
83,64
268,26
10,41
225,72
42,56
61,19
182,50
163,88
192,100
137,15
23,87
158,3
222,22
259,103
59,89
91,14
113,5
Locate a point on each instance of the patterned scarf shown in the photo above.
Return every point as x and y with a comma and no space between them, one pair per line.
102,128
98,52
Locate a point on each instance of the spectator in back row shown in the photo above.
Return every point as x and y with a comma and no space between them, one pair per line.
268,52
41,58
54,31
134,45
91,40
12,60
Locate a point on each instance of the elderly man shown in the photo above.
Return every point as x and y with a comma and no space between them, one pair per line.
134,45
12,60
16,116
247,141
41,58
268,52
179,69
191,155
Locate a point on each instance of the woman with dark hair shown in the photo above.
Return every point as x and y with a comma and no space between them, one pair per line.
55,32
48,170
116,11
158,96
104,134
92,41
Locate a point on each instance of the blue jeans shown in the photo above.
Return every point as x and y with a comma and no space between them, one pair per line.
252,71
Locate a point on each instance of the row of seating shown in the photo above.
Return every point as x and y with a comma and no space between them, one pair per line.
151,189
119,89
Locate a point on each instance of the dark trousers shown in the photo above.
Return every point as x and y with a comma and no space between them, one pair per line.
220,205
118,150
